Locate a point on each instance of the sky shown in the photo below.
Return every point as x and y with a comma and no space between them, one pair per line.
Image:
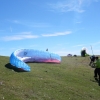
62,26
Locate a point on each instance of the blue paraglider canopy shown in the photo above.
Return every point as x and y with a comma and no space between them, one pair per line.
19,57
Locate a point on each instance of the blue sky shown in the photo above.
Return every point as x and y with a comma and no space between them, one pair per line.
62,26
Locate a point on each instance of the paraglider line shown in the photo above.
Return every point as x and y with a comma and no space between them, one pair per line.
92,50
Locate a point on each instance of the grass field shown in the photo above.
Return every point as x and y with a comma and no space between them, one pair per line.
71,80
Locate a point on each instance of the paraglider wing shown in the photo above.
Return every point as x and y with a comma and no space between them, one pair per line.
19,57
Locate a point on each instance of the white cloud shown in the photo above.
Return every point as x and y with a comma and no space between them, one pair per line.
30,23
71,5
80,45
57,34
23,35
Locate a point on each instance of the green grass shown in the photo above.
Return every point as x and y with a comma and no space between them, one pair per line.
70,80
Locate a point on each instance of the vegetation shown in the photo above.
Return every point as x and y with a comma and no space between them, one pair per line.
71,80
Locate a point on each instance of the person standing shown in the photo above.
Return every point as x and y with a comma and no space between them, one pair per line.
47,49
92,59
83,52
97,69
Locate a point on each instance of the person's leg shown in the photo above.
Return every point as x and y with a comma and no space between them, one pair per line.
92,59
99,75
95,74
90,63
99,81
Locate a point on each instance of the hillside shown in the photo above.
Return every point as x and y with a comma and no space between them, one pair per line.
70,80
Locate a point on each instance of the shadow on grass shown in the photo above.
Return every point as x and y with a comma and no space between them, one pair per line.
9,66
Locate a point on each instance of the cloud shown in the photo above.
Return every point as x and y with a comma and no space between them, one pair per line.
57,34
30,23
21,36
29,35
71,5
80,45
